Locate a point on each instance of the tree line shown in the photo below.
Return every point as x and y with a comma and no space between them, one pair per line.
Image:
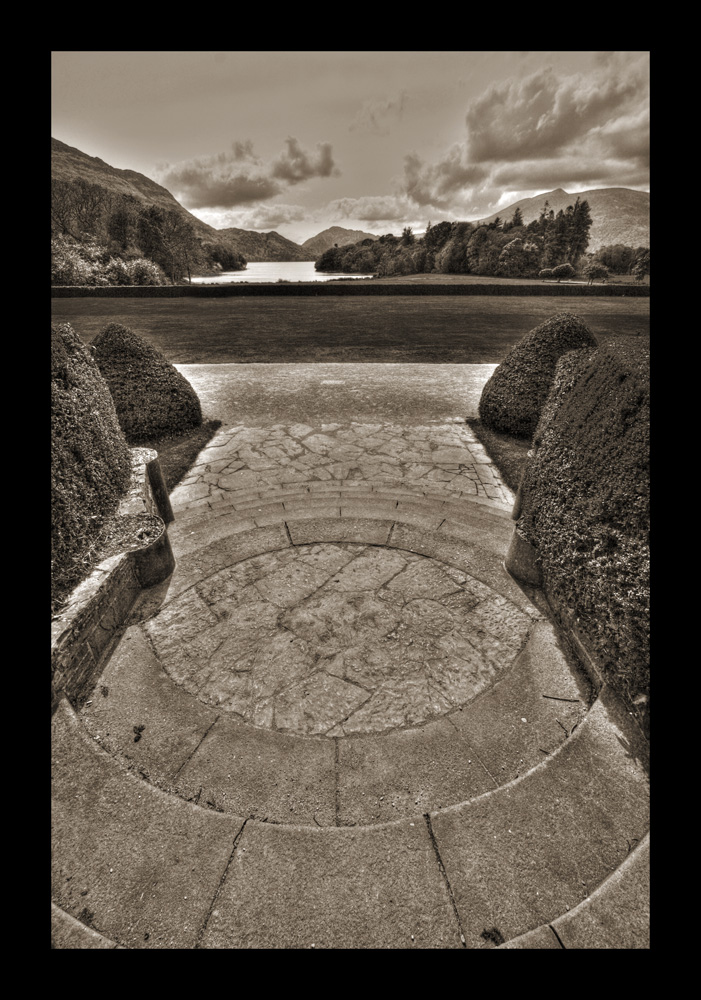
104,237
553,245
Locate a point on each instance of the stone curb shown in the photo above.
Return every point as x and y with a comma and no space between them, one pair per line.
99,605
616,915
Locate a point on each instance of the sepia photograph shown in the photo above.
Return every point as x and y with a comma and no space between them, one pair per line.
350,500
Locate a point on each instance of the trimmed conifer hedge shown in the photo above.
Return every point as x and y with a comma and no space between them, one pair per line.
585,506
354,287
513,397
151,397
90,459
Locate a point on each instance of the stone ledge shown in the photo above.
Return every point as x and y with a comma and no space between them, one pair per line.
99,605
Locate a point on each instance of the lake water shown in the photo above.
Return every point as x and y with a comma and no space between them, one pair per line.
296,270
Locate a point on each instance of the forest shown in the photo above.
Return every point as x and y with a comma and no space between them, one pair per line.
102,237
551,246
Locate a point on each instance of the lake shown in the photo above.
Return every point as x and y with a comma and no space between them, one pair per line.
275,270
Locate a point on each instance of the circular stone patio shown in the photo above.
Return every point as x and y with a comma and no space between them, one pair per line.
334,639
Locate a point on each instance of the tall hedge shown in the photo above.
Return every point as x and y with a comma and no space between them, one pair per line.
152,398
514,396
90,459
585,505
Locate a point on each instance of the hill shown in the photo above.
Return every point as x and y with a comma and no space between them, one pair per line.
335,235
265,246
619,215
71,164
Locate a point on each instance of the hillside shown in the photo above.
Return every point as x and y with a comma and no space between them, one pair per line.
336,234
265,246
70,164
619,215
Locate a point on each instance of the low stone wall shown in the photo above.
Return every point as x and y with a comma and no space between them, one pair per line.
99,606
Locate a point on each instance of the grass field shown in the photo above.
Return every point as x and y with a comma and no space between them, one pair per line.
456,330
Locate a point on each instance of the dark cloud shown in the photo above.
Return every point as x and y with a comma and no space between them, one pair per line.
376,116
239,177
295,165
437,184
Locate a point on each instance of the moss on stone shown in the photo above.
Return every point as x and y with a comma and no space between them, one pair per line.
90,459
151,397
514,396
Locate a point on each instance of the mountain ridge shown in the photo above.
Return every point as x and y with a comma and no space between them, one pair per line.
619,214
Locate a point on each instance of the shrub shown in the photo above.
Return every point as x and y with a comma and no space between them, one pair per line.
563,271
513,397
547,272
585,505
90,460
151,397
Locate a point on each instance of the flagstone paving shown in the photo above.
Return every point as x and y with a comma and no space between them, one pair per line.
341,723
243,463
336,639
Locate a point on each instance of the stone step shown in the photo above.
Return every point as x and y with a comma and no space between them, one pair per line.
155,871
205,754
616,915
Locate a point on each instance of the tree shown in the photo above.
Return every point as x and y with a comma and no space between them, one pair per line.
408,236
169,240
563,271
579,225
595,272
641,267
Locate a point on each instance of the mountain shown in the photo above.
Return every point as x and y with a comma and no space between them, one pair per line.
70,164
619,215
265,246
336,234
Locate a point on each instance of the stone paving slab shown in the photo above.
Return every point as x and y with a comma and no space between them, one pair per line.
541,937
263,774
407,772
484,561
137,864
518,857
617,915
69,933
134,697
298,887
513,726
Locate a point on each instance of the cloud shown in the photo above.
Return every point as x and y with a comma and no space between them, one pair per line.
541,131
437,184
239,177
371,208
376,116
542,114
295,165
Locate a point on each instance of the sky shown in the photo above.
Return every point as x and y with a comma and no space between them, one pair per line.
299,141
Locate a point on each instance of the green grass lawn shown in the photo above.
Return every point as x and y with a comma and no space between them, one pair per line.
457,330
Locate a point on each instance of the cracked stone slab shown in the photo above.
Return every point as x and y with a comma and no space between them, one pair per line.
337,639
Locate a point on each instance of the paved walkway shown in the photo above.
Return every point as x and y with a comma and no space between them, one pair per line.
341,723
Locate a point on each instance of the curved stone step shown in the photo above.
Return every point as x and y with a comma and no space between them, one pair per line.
208,755
144,864
67,933
475,874
616,915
